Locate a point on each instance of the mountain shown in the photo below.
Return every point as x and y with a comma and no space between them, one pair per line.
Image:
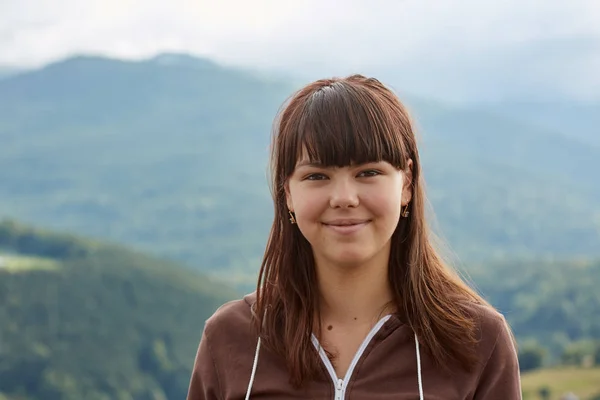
169,155
510,183
153,152
88,320
579,120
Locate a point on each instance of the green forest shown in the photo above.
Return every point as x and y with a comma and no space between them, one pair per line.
85,320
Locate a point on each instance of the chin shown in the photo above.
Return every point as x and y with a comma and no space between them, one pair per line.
352,258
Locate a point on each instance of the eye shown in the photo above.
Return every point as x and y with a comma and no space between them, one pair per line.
369,173
315,177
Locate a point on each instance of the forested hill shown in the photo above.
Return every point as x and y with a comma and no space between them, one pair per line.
552,302
88,320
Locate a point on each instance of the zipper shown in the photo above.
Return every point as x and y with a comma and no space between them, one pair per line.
338,383
339,390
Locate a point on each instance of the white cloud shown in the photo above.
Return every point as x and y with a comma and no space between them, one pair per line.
430,36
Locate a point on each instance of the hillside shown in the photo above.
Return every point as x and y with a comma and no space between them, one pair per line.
151,154
169,155
88,320
553,302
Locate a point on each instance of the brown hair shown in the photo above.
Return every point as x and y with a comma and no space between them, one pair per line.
338,122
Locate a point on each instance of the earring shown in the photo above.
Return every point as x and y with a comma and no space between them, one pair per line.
405,212
292,218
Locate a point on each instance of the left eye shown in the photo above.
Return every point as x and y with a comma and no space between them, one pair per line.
369,173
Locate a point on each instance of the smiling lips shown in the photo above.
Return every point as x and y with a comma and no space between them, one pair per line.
346,226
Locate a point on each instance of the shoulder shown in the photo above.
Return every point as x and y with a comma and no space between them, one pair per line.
231,320
492,333
489,322
225,354
498,372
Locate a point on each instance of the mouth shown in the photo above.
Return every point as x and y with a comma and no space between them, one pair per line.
346,226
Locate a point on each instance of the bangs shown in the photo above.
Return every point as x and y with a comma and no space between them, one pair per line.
341,125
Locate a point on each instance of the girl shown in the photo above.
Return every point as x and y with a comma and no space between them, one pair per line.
352,301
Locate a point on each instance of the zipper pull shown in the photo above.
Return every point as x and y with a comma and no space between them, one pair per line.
339,390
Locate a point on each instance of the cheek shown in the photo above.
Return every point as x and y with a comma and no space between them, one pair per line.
385,206
307,206
308,209
308,214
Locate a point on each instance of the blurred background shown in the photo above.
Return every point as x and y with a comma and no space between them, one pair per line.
133,158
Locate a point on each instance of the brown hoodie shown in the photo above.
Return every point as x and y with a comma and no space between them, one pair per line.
231,364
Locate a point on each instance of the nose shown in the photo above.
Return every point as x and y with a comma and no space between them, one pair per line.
344,194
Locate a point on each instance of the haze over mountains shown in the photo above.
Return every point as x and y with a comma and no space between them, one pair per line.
169,154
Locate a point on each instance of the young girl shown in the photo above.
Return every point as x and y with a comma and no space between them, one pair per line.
353,302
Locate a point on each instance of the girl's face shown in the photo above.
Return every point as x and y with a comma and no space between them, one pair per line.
348,214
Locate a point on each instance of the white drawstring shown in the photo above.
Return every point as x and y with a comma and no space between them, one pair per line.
255,365
253,369
419,369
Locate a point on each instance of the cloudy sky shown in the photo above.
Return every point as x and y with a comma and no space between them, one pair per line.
462,48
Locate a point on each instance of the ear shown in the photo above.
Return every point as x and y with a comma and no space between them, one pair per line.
407,185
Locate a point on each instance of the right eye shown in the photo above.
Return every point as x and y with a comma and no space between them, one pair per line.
315,177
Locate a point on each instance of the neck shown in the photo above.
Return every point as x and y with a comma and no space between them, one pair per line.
354,294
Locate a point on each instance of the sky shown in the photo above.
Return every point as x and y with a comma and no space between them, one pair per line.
459,49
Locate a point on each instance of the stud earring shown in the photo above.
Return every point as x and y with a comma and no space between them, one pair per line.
405,212
292,218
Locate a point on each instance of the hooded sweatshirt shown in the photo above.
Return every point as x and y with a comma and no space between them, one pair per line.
232,364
